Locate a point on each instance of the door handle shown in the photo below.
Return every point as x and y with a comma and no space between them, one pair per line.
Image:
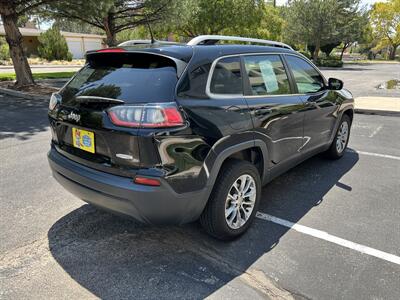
262,111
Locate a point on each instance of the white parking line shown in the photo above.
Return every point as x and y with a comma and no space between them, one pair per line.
376,131
330,238
375,154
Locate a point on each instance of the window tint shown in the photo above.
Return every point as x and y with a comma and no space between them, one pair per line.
307,79
227,78
194,82
267,75
134,78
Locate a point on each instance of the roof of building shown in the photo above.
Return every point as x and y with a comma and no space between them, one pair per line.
36,32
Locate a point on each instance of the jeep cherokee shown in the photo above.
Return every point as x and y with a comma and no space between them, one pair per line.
170,133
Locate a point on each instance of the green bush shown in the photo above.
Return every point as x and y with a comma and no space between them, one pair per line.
329,62
305,53
4,49
53,45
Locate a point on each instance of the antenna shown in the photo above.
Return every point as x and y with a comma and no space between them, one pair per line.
151,32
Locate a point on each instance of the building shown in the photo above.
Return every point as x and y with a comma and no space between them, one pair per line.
78,43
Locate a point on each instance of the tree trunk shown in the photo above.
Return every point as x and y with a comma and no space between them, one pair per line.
316,50
343,49
111,41
392,53
14,39
109,28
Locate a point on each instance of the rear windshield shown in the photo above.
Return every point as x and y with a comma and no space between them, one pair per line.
132,77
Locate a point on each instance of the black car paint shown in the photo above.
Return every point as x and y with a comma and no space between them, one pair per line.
282,131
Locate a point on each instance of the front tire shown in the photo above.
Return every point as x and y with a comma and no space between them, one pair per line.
233,202
339,144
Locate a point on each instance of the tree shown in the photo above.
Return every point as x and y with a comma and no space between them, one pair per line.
4,49
354,29
272,23
11,12
76,26
385,20
111,16
318,22
190,18
53,45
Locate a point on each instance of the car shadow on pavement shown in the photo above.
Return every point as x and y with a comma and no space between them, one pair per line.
22,118
114,257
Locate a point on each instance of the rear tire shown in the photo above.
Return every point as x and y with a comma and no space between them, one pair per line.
339,144
234,200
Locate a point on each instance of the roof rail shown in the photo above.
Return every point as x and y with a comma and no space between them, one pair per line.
213,39
146,42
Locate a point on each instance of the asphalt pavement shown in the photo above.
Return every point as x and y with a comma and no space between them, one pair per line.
363,79
343,243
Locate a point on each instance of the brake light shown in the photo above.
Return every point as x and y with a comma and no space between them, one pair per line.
111,50
158,115
147,181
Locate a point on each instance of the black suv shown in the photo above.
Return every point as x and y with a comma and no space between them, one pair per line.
176,133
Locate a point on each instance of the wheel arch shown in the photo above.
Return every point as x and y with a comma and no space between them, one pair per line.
349,112
243,150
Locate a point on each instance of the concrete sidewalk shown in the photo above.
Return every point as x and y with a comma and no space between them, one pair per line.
44,68
378,105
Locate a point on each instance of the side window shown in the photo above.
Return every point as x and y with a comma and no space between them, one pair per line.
267,75
307,79
227,78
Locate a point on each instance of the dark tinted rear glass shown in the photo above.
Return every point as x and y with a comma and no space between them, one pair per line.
227,77
132,77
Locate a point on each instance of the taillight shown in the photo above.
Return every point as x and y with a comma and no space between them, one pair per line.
157,115
54,100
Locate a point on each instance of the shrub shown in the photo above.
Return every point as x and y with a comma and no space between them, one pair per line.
305,53
331,62
53,45
4,49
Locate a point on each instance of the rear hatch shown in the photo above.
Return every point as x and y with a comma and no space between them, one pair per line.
97,116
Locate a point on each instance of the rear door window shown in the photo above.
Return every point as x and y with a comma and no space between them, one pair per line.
227,77
266,75
132,77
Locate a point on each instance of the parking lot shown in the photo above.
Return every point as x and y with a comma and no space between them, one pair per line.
325,230
362,79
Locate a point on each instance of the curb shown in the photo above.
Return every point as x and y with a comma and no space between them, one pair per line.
390,113
22,94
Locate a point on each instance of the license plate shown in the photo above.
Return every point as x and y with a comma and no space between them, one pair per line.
83,139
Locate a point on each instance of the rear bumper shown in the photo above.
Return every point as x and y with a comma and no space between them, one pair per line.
148,204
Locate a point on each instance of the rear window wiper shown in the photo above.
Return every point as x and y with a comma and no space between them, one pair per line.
97,99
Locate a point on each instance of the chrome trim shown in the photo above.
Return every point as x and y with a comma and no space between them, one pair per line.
146,42
208,84
202,38
99,99
227,96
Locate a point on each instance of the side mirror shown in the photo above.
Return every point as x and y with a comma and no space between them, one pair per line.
335,84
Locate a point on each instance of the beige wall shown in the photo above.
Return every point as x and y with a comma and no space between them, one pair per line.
30,44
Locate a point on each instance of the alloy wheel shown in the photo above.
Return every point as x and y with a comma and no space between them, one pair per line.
342,137
240,201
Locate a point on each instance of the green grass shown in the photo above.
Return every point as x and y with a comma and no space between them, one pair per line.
392,84
375,61
50,75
